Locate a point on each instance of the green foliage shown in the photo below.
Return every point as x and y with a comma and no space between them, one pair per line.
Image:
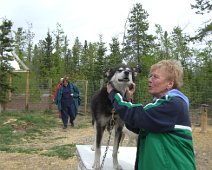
100,64
76,57
20,43
6,45
52,58
62,151
137,41
202,7
114,58
18,129
17,126
19,149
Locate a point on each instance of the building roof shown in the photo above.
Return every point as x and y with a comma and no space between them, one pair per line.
17,63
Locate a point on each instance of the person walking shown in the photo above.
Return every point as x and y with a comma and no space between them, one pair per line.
164,127
67,99
55,92
57,88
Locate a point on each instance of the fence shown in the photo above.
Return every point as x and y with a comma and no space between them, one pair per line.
40,99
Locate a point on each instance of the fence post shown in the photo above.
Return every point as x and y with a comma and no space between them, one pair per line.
204,118
86,96
27,92
50,95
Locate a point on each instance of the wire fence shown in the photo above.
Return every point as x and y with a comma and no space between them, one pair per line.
39,99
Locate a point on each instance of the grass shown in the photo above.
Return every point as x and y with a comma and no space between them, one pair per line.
18,128
63,151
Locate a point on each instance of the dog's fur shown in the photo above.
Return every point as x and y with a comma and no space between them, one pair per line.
132,137
121,78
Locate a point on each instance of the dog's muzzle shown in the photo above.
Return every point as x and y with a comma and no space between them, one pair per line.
126,77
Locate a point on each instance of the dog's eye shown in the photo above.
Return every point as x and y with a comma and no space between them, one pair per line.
120,70
129,70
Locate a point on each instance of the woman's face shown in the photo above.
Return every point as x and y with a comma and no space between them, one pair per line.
158,82
65,83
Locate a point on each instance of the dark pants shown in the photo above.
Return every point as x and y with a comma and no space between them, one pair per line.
68,111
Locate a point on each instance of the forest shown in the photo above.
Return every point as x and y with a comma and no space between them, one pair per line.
52,57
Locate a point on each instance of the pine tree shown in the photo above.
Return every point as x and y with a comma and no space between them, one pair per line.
181,50
48,56
76,57
114,57
29,43
137,41
6,46
202,7
20,43
100,62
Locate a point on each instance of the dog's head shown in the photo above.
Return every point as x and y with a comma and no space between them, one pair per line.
122,77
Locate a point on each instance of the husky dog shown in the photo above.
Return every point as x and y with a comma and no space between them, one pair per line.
120,78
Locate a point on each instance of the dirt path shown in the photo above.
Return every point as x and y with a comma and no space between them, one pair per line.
58,136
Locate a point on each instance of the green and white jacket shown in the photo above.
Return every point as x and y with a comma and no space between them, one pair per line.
164,128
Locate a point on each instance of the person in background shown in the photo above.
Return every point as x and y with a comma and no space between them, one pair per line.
164,127
55,92
56,89
67,100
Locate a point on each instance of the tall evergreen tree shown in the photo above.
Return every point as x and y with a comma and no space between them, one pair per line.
164,45
91,57
48,56
67,56
20,43
29,45
76,57
85,60
36,60
100,62
137,41
114,58
67,62
6,46
59,50
181,50
202,7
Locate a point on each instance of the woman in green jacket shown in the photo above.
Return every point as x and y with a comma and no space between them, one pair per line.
67,99
164,127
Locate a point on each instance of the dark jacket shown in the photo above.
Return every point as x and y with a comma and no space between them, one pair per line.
76,96
165,136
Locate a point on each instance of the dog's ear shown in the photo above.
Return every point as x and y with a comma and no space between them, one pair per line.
137,70
107,73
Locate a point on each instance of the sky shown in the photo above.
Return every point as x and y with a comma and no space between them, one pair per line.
87,19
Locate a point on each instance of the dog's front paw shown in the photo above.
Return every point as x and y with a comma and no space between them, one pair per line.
96,166
92,148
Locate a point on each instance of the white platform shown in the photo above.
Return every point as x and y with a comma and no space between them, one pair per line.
126,157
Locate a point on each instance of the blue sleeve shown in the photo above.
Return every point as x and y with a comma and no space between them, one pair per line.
157,117
75,90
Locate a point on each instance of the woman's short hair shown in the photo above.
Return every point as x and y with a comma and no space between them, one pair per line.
173,69
65,78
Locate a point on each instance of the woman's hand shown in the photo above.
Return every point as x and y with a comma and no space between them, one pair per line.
130,91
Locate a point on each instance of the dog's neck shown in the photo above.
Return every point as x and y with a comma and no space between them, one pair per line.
121,89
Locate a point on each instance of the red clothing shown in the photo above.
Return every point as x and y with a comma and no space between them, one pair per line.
55,92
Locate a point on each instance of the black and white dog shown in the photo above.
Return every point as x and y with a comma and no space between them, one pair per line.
121,78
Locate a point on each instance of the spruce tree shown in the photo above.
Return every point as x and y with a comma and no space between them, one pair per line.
6,47
114,57
137,41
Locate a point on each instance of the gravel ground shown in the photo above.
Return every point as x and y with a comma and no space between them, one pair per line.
19,161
